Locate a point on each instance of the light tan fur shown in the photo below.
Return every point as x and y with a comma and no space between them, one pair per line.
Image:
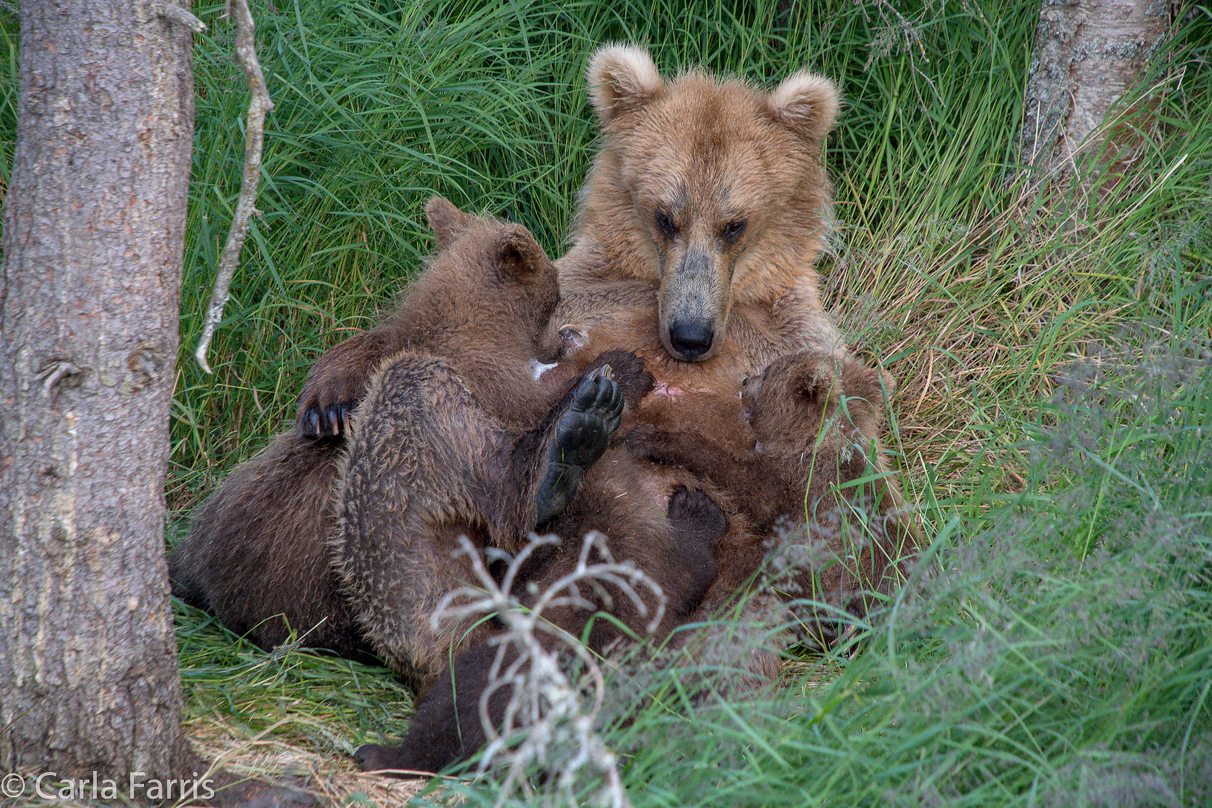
706,156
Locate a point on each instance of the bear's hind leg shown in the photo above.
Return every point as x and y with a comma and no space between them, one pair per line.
448,726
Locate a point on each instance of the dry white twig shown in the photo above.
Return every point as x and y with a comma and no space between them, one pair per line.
555,708
259,105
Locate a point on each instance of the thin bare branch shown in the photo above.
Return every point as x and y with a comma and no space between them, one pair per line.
180,16
259,105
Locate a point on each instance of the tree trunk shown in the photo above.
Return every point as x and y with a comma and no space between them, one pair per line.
89,303
1088,55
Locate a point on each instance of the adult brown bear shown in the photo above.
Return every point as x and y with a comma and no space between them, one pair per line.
704,214
701,221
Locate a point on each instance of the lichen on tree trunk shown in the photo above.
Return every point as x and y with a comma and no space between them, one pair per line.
1088,55
89,303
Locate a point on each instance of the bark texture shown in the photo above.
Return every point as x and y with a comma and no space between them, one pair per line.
1088,54
89,302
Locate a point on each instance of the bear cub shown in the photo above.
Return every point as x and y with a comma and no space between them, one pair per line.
477,331
813,479
450,725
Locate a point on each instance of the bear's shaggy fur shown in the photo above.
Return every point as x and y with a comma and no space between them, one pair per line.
256,555
427,464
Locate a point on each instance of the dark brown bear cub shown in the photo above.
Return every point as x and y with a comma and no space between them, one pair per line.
257,555
813,479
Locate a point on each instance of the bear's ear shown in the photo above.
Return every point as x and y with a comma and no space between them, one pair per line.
875,385
813,378
518,254
805,103
622,78
446,221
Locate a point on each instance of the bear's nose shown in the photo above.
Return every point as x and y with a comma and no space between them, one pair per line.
691,338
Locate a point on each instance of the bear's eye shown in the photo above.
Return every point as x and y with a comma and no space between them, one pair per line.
732,231
665,224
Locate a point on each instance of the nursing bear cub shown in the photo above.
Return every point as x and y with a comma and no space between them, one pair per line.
257,554
823,522
446,446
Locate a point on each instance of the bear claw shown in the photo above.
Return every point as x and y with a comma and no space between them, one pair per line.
326,422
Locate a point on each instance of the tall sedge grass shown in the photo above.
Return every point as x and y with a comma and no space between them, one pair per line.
1051,350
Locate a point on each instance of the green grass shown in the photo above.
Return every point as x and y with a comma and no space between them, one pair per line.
1051,351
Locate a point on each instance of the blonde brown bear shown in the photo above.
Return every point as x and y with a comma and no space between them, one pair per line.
701,222
702,219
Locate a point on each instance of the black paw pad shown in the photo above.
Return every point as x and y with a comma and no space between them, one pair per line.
581,437
628,373
695,518
372,758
